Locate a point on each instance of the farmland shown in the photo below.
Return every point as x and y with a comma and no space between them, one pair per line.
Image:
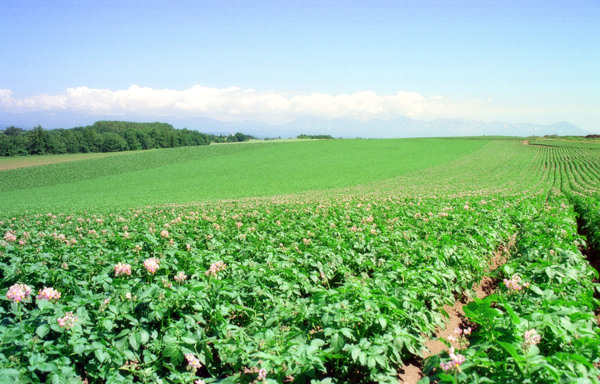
317,261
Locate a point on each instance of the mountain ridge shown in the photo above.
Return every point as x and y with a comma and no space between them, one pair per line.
399,127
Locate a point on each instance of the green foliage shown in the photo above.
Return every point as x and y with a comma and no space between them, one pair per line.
337,286
220,171
339,293
102,136
555,298
326,137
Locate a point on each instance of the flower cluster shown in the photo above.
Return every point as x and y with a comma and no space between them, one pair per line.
532,337
461,336
180,277
514,284
18,293
151,264
68,320
104,304
48,294
215,268
193,362
455,361
122,269
10,237
262,374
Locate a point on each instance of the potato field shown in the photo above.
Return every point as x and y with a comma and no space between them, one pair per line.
300,273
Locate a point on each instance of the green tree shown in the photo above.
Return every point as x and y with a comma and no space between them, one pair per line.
133,143
112,142
13,131
37,141
92,141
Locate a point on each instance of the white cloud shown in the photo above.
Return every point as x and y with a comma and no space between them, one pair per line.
234,104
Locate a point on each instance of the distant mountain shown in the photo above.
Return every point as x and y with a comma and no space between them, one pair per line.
405,127
397,127
344,128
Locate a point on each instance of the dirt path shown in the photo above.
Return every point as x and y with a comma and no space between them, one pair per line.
412,371
34,161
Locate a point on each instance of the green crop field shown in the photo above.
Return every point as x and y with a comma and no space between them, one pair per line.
333,261
220,172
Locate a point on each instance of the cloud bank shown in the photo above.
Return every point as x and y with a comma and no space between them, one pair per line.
236,104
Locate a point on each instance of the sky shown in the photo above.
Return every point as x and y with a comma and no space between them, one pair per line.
276,61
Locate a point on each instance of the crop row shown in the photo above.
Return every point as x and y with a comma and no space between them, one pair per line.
334,291
539,327
571,170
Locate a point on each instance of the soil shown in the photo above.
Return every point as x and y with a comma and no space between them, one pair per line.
412,371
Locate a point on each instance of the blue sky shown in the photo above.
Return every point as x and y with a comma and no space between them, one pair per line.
274,61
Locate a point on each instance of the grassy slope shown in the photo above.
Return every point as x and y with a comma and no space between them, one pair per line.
216,172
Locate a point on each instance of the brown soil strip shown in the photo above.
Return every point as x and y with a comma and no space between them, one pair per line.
34,161
592,255
412,372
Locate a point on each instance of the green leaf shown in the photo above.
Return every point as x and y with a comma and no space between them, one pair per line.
174,353
513,317
371,363
581,359
348,333
355,353
130,355
513,352
57,379
337,342
42,330
108,324
79,348
47,367
362,358
133,341
101,355
144,336
536,289
189,340
168,339
381,360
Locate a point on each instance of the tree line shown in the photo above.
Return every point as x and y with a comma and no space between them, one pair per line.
104,136
321,137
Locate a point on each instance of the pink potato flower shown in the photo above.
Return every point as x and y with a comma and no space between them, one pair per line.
215,268
514,283
193,362
151,265
48,294
68,320
455,361
262,374
18,293
10,237
180,277
532,337
122,269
